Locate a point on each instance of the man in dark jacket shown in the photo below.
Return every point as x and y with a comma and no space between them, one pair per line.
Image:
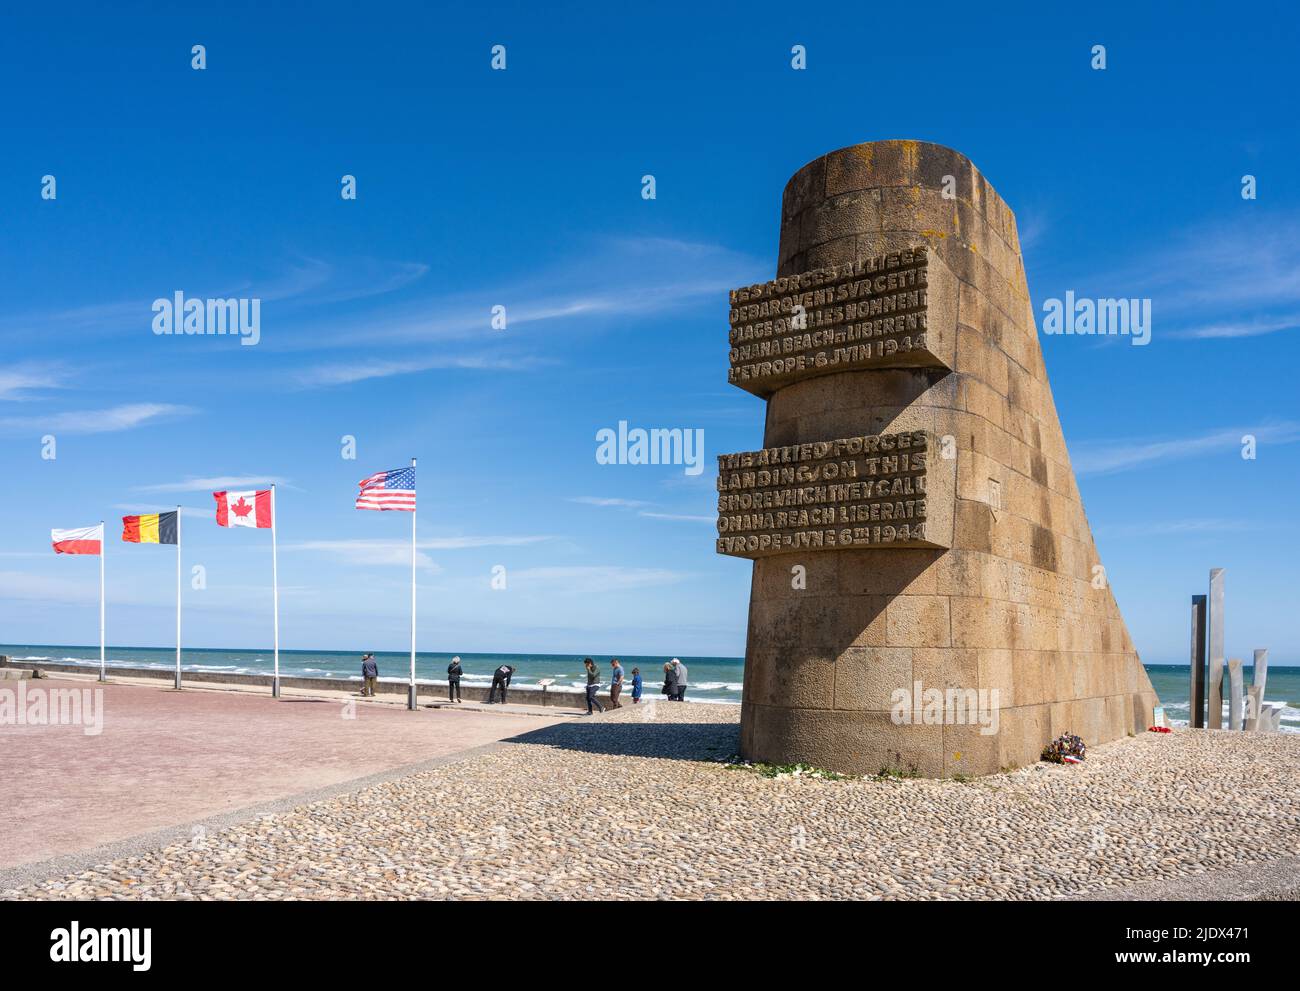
500,679
370,672
593,685
453,680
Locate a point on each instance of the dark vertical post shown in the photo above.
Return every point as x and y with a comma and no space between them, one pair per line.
1196,696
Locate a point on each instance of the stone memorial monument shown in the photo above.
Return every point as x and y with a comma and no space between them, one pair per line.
926,595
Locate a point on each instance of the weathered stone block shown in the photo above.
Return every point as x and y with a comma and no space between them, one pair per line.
867,677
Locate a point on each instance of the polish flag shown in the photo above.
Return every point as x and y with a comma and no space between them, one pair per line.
244,508
83,540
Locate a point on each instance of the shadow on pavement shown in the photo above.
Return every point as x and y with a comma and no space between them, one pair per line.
641,738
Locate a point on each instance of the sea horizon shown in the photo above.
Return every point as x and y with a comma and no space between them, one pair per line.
712,678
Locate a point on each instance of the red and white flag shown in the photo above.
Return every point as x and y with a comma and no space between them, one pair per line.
244,508
83,540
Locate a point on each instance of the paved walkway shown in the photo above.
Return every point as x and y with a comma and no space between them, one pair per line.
165,757
639,804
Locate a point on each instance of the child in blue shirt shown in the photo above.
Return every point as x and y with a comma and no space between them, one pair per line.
636,684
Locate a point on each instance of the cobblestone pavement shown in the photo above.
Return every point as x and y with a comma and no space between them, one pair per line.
639,804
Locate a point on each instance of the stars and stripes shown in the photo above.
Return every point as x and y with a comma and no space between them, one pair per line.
392,489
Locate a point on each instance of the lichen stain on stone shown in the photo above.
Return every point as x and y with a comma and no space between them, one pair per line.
911,155
865,153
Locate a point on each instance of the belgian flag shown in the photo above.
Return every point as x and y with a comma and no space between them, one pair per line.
150,528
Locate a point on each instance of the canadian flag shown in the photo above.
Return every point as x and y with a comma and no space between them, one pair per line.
244,508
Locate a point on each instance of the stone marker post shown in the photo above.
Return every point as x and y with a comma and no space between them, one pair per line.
1270,717
1196,694
1215,629
1234,694
1258,681
1215,695
926,594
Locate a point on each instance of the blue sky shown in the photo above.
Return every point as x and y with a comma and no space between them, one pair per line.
522,188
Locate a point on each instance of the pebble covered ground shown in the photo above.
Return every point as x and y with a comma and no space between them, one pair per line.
639,804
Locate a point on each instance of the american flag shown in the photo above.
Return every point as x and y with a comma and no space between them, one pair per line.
392,489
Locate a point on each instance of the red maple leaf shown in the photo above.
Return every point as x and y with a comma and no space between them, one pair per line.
241,508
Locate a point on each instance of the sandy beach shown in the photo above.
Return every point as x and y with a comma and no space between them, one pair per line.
640,804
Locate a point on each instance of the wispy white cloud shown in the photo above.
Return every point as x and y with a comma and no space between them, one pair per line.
345,373
217,483
19,382
1242,328
379,551
302,283
1031,225
593,578
368,552
704,480
463,543
635,277
363,278
187,512
617,503
1218,279
1171,527
41,588
82,589
127,416
1108,457
1253,260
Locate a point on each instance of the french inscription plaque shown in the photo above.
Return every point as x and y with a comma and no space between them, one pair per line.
896,310
870,491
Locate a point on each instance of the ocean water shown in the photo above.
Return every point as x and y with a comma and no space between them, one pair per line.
1172,684
712,679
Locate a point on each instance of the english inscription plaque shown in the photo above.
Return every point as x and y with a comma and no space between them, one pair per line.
868,491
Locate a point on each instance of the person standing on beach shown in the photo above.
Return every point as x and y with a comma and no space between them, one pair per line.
593,685
453,680
680,668
636,685
670,682
616,684
500,679
370,672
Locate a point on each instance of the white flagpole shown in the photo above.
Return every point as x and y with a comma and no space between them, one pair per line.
103,653
410,702
178,598
275,598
